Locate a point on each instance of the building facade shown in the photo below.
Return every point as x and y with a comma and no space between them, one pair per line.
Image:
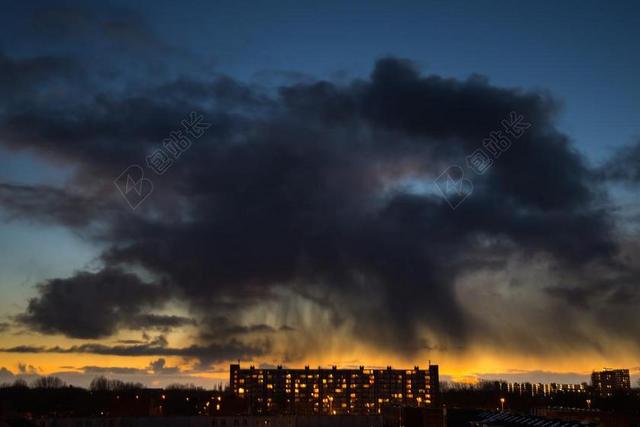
540,389
610,381
333,391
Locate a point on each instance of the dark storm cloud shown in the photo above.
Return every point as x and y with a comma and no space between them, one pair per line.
118,370
162,322
221,327
303,190
212,353
624,166
94,305
218,328
116,33
612,289
48,205
28,78
610,295
158,367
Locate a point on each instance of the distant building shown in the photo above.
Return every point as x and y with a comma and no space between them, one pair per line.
333,391
610,381
539,389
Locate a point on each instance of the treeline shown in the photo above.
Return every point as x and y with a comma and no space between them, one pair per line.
39,383
98,384
105,397
104,384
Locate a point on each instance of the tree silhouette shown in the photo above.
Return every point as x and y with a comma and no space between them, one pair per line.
48,383
20,383
102,383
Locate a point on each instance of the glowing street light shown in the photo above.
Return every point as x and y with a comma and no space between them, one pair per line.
502,404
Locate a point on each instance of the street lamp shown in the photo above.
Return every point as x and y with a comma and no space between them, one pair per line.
589,403
502,404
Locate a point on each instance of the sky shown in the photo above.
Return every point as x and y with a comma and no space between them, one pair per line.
186,185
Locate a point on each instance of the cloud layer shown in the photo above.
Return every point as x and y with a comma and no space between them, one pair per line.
311,205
